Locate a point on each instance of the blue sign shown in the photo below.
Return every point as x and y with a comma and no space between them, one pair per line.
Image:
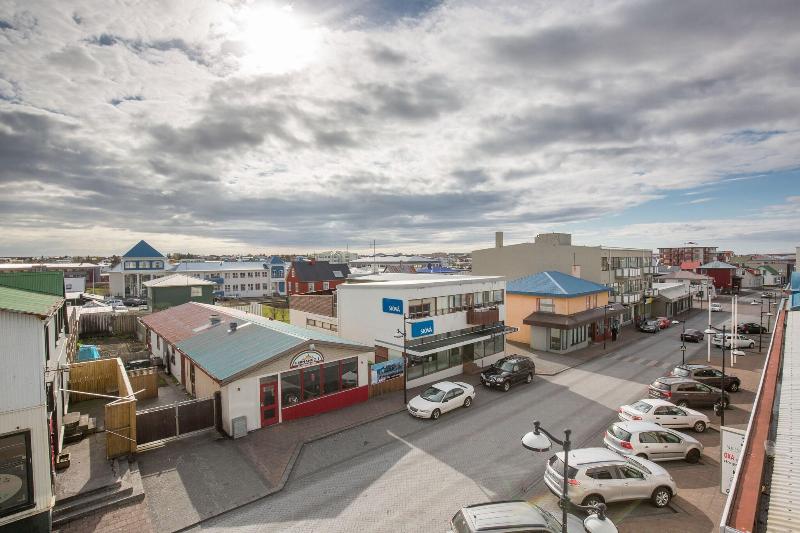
421,329
393,306
387,370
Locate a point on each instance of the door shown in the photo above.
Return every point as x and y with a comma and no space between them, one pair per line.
651,446
606,481
448,402
674,447
708,377
665,416
269,402
468,353
635,486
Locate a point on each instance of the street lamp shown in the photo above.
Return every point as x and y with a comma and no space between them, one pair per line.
710,331
761,323
605,323
540,440
404,336
683,340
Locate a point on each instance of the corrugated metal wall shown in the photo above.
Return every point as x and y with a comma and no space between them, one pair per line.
44,282
21,348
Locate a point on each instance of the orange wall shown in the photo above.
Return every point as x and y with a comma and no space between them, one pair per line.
519,306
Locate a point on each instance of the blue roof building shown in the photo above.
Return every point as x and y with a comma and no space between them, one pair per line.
554,283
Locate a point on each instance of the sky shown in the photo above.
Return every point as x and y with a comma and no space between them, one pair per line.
246,126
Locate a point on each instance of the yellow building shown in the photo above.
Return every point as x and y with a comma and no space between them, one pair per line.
556,312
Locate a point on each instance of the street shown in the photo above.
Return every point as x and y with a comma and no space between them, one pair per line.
400,473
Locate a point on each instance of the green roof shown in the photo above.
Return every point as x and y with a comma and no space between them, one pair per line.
768,269
31,303
42,282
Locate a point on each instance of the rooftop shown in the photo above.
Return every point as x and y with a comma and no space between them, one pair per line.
207,266
177,280
42,282
142,249
554,283
414,280
718,265
29,303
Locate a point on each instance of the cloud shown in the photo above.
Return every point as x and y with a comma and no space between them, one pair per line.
701,200
419,124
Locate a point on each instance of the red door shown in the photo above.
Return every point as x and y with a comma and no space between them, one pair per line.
269,403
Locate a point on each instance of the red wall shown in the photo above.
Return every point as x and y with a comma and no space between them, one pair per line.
292,281
722,276
326,403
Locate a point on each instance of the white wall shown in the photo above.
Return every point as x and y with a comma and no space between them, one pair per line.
23,363
75,284
300,318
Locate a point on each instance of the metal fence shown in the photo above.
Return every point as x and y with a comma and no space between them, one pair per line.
107,323
172,421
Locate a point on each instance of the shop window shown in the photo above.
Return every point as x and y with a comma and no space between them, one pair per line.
16,465
455,356
349,373
290,388
442,306
414,368
497,296
420,308
469,300
311,383
330,375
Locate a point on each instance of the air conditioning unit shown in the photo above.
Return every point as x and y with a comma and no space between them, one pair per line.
239,426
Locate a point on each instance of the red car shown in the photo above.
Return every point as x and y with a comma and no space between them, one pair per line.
663,322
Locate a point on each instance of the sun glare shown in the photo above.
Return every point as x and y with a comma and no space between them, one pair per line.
277,40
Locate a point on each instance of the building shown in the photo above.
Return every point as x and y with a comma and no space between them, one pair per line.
676,255
399,262
240,279
698,284
556,312
315,311
312,276
336,256
671,298
138,265
690,266
34,351
177,289
446,324
266,371
76,275
722,274
770,276
751,278
627,271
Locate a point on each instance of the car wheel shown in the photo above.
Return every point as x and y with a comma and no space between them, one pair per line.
752,345
693,456
699,426
592,500
467,401
642,455
682,403
662,496
506,385
435,414
529,378
733,387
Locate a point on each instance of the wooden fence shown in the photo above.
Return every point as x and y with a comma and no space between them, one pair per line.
108,323
96,377
145,380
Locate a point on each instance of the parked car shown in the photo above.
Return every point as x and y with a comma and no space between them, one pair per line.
716,307
651,441
138,363
598,475
649,326
114,302
692,335
518,515
708,375
751,327
684,392
767,295
735,341
663,322
134,302
665,414
509,371
440,398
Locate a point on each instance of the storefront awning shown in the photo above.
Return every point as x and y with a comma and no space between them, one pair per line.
428,348
551,320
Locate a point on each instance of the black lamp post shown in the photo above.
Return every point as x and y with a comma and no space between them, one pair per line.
605,323
404,335
540,440
683,340
710,331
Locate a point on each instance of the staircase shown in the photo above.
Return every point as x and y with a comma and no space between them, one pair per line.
77,426
125,490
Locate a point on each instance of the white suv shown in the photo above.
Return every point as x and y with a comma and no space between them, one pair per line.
598,475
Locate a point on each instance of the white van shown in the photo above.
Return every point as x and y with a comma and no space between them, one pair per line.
739,341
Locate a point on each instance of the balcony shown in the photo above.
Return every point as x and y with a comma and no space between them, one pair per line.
627,272
483,317
625,299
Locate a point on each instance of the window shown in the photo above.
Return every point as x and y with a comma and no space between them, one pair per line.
235,275
441,305
599,473
290,388
668,438
497,296
311,287
349,373
227,287
546,305
16,464
258,286
158,264
331,377
663,410
249,274
589,302
250,286
311,382
419,308
326,285
630,472
130,264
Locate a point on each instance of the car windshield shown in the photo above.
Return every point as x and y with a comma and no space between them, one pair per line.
460,523
659,385
642,407
681,372
505,366
652,322
558,465
432,394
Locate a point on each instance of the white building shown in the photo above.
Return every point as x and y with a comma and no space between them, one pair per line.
451,322
240,279
336,256
380,262
139,264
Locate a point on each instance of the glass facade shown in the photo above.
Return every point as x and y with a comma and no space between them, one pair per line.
448,358
306,384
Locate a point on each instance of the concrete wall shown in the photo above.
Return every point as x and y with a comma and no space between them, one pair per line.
301,318
519,260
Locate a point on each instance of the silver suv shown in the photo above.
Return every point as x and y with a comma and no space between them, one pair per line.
517,516
598,475
652,441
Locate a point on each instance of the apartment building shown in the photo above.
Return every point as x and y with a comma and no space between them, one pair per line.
682,254
628,272
240,279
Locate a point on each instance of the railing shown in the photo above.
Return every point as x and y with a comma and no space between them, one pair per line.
626,298
481,317
627,272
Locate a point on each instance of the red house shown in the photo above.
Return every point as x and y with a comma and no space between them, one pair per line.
312,276
721,273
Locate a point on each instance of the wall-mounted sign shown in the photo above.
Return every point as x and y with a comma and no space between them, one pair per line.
732,441
387,370
421,329
390,305
307,358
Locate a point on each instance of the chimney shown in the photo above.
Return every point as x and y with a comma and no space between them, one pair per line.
576,271
498,239
233,327
214,319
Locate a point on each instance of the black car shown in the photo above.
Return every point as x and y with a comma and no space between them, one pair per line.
134,302
509,371
708,375
692,335
650,326
751,327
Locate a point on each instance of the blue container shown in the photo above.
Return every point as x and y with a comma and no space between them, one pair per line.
88,352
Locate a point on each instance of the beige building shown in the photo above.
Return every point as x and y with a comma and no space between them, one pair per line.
628,272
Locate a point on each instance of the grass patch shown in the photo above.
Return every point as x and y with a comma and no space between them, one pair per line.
276,313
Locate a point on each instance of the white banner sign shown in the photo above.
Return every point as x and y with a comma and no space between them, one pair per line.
731,449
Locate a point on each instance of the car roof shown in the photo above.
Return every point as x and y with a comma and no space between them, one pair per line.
586,456
673,379
637,426
692,366
445,385
501,515
654,402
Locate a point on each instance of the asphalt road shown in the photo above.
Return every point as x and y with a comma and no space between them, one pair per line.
404,474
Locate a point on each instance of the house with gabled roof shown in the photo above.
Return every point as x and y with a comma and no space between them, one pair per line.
139,264
307,276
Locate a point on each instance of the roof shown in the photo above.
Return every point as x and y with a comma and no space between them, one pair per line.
394,259
177,280
554,283
211,266
639,425
540,318
29,303
181,322
795,281
445,385
437,270
583,456
42,282
671,291
142,249
684,275
399,280
768,269
505,515
690,265
320,271
717,265
54,266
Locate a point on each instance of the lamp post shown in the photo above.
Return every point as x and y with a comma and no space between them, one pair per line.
404,335
710,331
683,340
761,323
605,323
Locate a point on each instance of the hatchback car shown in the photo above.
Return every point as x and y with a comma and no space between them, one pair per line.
663,322
502,517
737,341
716,307
665,414
440,398
651,441
751,327
692,335
708,375
598,475
509,371
649,326
684,392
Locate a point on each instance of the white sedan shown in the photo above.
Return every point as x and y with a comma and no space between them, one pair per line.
716,307
664,414
440,398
